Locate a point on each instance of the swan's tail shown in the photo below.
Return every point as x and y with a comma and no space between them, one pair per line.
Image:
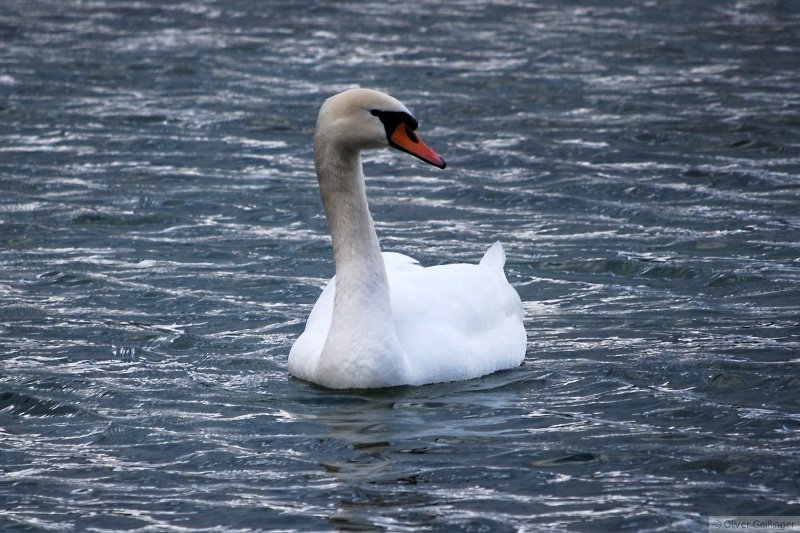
495,257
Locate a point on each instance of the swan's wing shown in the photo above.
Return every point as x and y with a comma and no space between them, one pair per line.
458,321
307,348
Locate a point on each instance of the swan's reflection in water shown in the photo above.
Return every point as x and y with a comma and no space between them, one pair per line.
403,448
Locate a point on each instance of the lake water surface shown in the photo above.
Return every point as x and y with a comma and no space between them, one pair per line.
162,241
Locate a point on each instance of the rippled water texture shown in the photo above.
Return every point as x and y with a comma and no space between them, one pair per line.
162,240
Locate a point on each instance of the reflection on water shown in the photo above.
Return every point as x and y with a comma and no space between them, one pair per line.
386,449
162,241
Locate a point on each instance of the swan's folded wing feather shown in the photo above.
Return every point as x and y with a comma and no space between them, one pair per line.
457,321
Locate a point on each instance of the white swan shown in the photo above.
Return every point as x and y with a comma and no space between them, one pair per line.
384,320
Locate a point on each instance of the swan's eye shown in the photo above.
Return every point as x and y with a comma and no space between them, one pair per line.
391,119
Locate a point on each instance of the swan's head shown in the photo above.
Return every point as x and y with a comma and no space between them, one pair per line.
362,119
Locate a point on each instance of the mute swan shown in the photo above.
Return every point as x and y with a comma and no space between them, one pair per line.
383,320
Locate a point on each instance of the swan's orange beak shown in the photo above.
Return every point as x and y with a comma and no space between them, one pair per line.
405,139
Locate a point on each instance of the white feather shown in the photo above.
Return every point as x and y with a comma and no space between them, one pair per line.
394,321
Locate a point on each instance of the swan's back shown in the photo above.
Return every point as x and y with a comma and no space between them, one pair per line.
457,321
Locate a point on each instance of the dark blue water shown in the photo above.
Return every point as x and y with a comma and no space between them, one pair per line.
162,241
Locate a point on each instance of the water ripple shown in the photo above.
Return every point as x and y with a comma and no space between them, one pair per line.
162,241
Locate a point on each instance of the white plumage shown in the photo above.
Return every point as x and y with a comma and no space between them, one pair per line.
384,320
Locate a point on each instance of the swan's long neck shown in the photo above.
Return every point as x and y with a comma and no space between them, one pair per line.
360,270
362,340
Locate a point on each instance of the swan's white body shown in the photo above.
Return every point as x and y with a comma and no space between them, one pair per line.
384,320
